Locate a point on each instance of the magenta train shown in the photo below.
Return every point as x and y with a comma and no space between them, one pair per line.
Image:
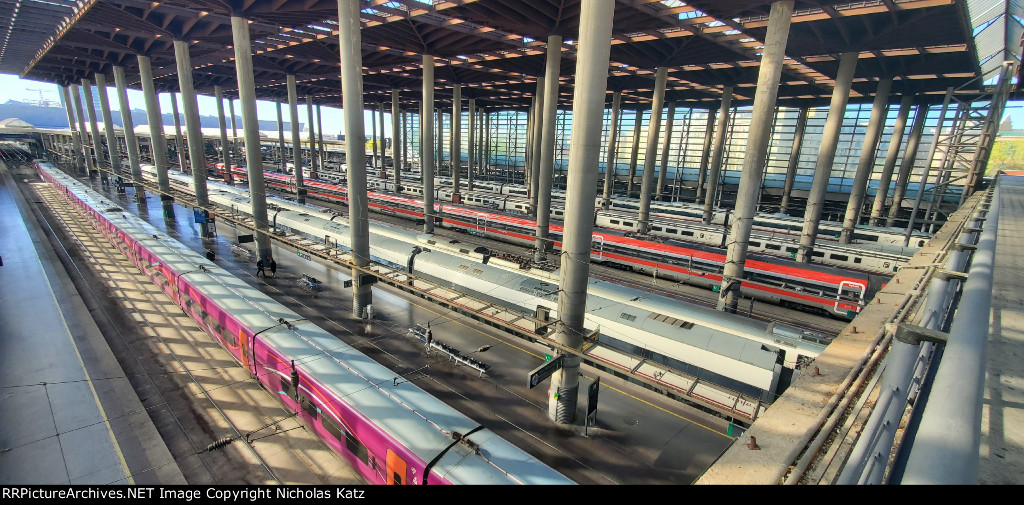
390,430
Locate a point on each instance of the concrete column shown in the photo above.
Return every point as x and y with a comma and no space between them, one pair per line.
234,130
456,142
826,155
663,171
76,136
320,142
225,151
547,145
90,113
383,150
913,143
890,160
193,128
531,118
485,160
108,126
293,111
396,140
535,146
426,139
312,135
131,143
472,143
651,153
794,160
350,47
588,113
179,147
376,156
440,141
251,131
405,139
879,110
931,160
282,159
755,156
83,133
634,154
705,155
157,139
715,168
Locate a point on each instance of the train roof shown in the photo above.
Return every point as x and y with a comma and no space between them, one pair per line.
706,317
418,420
703,337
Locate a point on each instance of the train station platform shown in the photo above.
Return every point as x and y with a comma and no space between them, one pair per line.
68,412
1002,423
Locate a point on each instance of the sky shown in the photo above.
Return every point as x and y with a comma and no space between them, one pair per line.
16,88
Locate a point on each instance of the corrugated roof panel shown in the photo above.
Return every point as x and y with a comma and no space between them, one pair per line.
982,11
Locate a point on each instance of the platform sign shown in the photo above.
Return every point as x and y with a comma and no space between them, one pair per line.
544,371
201,215
592,401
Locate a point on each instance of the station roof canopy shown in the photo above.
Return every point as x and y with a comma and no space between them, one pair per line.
496,48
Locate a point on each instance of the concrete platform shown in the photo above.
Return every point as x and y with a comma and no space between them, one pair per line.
68,412
1002,423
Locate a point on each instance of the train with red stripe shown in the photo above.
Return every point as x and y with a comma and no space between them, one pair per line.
819,288
391,432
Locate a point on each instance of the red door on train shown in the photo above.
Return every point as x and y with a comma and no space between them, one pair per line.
396,468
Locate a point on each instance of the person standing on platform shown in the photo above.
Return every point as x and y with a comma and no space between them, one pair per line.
273,268
259,268
429,338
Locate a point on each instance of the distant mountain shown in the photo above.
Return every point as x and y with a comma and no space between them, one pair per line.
55,117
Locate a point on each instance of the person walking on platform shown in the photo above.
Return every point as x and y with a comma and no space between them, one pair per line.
273,268
429,338
259,268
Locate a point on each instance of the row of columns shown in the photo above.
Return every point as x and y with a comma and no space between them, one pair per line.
588,110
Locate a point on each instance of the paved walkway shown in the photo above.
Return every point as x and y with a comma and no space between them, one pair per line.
68,414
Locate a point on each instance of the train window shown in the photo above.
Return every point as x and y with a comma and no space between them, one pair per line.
839,257
627,223
856,260
308,406
755,244
356,448
332,427
791,249
615,221
286,387
627,317
773,247
671,230
686,233
656,228
817,254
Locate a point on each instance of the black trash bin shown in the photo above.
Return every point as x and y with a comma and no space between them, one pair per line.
210,255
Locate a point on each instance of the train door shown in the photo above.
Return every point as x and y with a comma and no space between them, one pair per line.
855,295
597,246
396,469
481,225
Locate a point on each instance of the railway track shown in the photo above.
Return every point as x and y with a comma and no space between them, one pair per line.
192,388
